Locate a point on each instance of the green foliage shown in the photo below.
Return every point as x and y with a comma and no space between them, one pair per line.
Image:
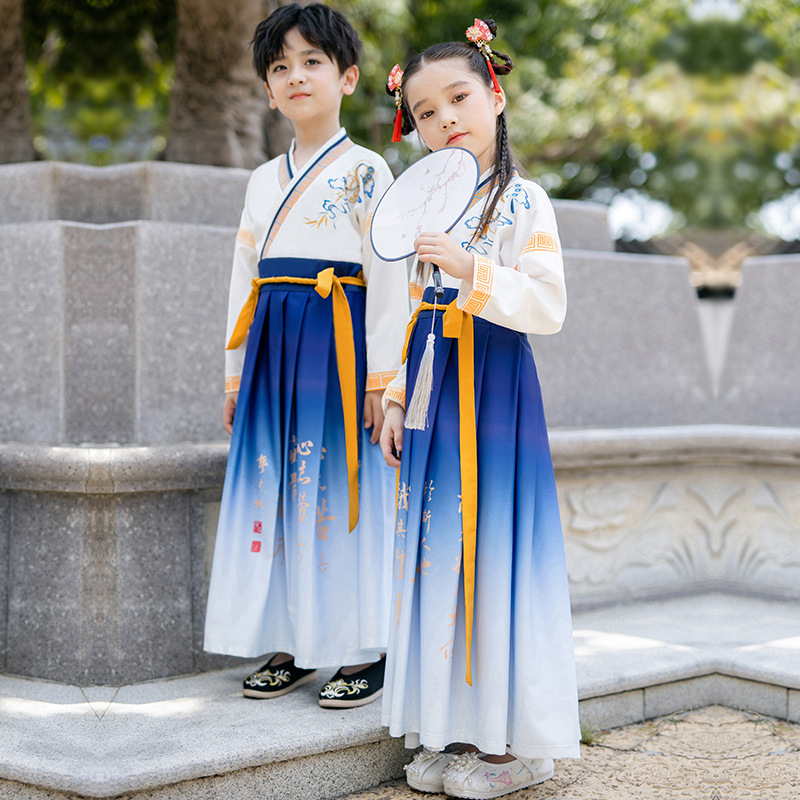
369,113
590,734
716,48
699,111
100,74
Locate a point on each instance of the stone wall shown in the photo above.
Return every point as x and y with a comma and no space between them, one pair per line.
631,350
107,552
113,296
654,512
760,381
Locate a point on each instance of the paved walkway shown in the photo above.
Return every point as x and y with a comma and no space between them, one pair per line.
711,754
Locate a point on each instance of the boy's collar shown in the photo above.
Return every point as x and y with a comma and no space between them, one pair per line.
290,153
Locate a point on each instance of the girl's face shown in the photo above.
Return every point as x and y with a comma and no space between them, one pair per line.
451,106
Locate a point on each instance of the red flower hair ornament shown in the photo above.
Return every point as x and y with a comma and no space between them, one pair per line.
480,35
395,84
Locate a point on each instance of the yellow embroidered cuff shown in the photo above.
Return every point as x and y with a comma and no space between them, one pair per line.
232,384
481,286
415,291
395,395
379,380
246,238
542,241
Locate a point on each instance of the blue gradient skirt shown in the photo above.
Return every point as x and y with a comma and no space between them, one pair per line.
524,689
286,574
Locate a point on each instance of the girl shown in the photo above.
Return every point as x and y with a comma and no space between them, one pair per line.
481,649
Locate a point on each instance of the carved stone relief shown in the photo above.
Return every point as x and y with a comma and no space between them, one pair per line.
634,537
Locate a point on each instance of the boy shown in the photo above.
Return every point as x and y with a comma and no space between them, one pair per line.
302,562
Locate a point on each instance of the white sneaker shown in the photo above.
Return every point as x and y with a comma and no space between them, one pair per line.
424,773
473,778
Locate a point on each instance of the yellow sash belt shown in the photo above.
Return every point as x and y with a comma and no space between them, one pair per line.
457,324
325,283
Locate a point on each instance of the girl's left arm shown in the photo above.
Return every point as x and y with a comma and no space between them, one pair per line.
520,282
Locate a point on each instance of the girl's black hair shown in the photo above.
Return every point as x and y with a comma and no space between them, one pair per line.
504,162
319,25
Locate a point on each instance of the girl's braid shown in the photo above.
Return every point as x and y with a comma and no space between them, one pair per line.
503,172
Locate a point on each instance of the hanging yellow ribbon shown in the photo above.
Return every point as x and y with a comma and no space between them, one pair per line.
326,283
410,327
457,324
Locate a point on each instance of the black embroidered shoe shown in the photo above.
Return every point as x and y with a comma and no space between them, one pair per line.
357,689
274,681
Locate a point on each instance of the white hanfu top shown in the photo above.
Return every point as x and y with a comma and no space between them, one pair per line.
340,188
518,278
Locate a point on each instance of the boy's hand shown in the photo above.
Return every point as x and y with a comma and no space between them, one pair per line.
373,413
442,250
392,434
228,410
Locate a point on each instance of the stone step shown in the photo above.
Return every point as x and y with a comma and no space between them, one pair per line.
631,351
158,191
196,737
113,333
651,659
189,193
761,370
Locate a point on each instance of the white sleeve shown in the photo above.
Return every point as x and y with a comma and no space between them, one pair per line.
245,269
387,307
524,287
396,390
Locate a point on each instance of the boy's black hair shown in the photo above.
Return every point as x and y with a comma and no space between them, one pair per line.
319,25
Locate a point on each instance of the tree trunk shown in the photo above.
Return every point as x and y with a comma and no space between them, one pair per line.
15,118
218,103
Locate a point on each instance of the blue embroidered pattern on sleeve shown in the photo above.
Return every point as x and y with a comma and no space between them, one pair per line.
348,193
519,195
485,243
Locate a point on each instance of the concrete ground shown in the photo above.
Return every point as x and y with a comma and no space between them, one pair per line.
197,738
710,754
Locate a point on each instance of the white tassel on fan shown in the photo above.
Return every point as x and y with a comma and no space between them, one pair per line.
417,411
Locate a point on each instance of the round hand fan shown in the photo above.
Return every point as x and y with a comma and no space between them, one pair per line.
431,195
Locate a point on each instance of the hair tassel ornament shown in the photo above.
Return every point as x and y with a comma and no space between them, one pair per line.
395,84
480,35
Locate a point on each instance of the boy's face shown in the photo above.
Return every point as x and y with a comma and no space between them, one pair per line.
305,84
